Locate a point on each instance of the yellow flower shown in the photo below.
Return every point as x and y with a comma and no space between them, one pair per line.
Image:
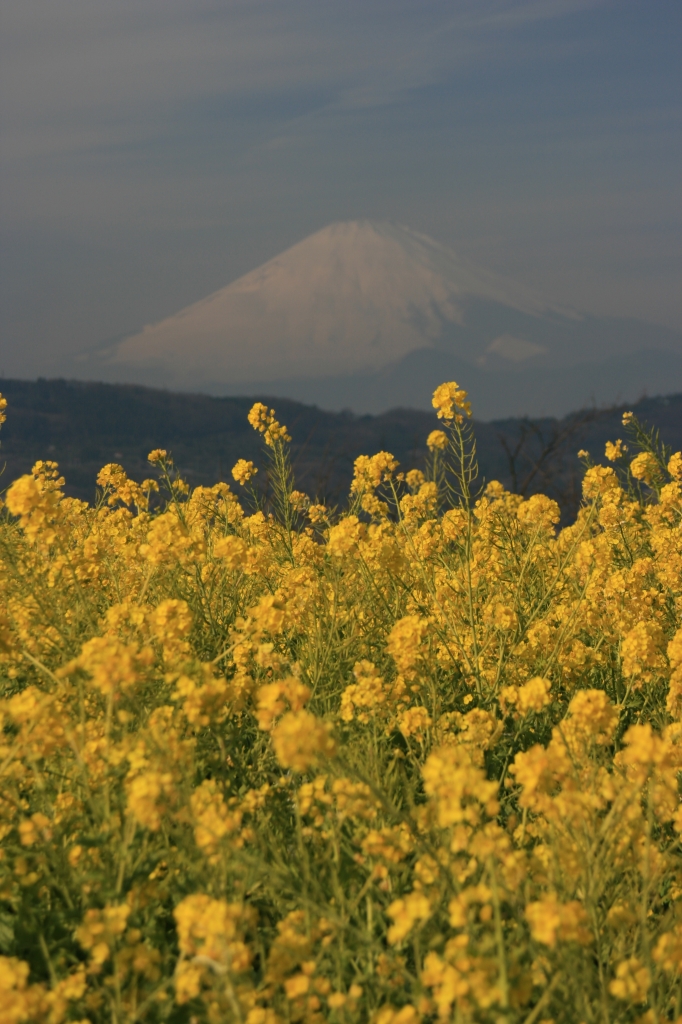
414,721
389,1015
299,501
158,455
242,471
420,505
458,908
668,951
344,537
353,799
148,793
615,450
116,483
169,674
458,787
391,844
374,507
170,623
405,913
35,498
437,441
263,420
259,417
495,490
414,479
170,540
101,930
644,467
642,650
371,471
32,829
188,978
296,986
539,511
300,740
263,1015
501,616
404,641
213,932
532,696
591,718
448,398
232,550
364,697
451,982
551,920
599,480
269,614
632,981
454,524
273,699
213,819
675,466
317,513
111,665
19,1001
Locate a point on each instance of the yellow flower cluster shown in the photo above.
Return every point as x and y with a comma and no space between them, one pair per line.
437,440
243,471
414,762
372,471
263,420
615,450
447,399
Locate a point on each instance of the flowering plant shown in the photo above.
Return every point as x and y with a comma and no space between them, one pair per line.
417,761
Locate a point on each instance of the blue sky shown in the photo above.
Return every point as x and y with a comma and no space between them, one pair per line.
153,150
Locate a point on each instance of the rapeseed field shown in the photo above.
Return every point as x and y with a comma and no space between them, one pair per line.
417,760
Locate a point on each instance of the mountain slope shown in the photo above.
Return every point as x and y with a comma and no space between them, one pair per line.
349,298
361,312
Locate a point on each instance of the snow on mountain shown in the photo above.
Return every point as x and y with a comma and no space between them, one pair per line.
352,297
365,314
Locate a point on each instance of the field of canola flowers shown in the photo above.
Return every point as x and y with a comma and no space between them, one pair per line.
412,762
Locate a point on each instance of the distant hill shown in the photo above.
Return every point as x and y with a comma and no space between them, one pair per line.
370,316
82,426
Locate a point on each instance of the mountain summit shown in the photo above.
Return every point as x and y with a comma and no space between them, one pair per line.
353,297
368,315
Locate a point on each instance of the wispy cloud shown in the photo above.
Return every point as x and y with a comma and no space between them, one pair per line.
77,73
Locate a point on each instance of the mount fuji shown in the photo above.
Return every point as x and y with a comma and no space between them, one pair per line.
369,316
